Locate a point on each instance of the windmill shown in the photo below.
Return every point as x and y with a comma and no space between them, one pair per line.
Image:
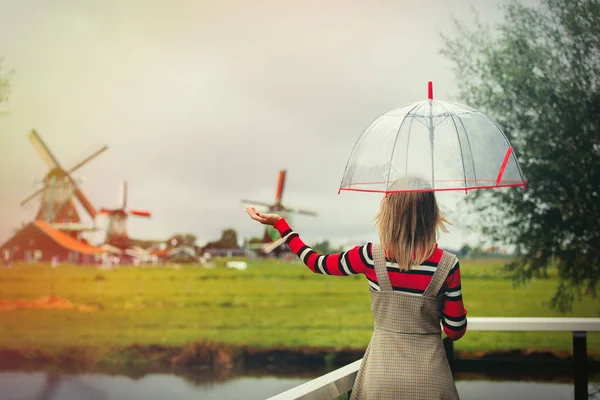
271,238
57,206
116,234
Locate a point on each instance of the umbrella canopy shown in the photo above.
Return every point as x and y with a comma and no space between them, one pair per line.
447,146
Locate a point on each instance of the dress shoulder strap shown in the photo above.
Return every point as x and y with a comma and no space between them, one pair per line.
441,273
380,268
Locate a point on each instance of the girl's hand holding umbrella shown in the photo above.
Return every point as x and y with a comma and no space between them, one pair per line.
265,219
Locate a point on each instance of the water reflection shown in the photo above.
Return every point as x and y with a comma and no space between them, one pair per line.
204,385
46,386
51,386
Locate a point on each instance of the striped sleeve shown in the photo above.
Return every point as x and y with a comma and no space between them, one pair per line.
454,315
351,262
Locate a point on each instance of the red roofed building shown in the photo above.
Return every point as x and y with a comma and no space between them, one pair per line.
39,241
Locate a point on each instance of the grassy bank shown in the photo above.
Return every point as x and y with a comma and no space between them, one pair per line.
268,305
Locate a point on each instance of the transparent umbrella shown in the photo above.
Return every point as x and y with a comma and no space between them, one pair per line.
446,146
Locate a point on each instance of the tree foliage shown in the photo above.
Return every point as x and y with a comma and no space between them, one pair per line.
538,76
325,247
255,240
229,240
182,239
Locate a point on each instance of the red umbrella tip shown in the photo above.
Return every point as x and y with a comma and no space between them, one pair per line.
430,90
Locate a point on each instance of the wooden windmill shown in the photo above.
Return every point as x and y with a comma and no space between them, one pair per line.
271,238
57,206
116,234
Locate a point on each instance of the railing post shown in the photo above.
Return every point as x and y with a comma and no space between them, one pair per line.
580,365
449,347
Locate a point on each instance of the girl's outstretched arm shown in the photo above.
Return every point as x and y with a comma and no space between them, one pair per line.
354,261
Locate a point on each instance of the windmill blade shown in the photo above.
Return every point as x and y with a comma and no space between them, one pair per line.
87,159
306,212
273,245
84,200
38,142
124,195
280,186
256,203
302,211
31,196
43,150
78,193
140,250
140,213
52,162
87,205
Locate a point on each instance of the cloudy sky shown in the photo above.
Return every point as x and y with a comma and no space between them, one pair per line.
201,103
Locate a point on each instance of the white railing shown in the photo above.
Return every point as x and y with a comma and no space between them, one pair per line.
341,381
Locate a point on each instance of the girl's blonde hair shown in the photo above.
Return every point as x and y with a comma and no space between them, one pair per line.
408,222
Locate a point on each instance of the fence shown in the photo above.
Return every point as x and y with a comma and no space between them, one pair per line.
339,382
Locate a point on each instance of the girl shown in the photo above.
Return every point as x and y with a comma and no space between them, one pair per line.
413,285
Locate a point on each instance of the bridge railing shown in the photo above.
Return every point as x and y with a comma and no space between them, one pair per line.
340,382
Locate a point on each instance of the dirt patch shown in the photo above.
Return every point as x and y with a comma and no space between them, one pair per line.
44,303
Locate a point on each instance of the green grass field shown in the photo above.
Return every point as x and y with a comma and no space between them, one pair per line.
269,304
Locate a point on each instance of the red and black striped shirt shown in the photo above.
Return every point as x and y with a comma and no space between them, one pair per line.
359,260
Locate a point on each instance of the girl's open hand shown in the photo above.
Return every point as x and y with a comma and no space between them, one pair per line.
265,219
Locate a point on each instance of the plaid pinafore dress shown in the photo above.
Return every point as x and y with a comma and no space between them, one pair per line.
406,358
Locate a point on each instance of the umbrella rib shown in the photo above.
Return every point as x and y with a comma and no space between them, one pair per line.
445,118
387,185
462,157
407,143
421,122
444,115
470,149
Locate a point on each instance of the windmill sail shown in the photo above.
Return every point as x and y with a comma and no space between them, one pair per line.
116,233
58,198
271,238
43,150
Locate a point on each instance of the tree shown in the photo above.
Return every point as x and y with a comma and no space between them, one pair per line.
183,239
325,247
322,247
4,85
477,252
228,241
538,76
466,250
